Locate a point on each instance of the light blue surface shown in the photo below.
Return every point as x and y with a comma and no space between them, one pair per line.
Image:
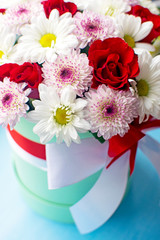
138,217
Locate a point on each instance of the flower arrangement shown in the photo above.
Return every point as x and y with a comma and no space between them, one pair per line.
89,69
86,64
80,65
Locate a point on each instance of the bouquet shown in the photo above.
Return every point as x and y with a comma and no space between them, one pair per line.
81,66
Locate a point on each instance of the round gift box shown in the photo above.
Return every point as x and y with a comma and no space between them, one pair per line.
53,204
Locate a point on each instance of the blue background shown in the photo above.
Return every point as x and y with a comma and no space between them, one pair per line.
137,218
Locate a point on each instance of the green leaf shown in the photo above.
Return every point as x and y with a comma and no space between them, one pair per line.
100,139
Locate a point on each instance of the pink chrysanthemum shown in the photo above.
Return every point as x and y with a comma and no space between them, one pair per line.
91,26
21,14
72,69
13,100
110,112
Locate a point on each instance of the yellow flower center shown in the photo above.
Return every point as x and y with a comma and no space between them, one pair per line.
1,53
142,87
62,117
110,11
46,40
129,40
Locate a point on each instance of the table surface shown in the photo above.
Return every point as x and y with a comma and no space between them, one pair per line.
137,218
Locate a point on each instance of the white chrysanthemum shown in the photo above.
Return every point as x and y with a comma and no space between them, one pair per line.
7,41
72,69
13,100
110,112
60,115
91,26
132,30
44,38
109,7
148,86
150,5
20,14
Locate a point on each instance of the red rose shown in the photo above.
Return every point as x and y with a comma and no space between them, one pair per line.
60,5
146,15
29,73
114,62
5,70
2,10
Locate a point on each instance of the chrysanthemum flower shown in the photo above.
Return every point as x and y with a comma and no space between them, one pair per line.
110,112
91,26
44,38
7,41
109,7
72,69
59,115
148,86
132,30
13,100
21,14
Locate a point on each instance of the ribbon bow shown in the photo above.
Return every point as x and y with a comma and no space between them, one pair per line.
118,145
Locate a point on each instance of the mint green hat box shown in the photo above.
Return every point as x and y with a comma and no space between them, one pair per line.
53,204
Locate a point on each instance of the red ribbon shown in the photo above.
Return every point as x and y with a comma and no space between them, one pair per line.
34,148
119,145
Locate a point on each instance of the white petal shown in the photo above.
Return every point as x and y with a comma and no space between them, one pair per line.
66,15
146,46
68,96
79,105
48,95
156,60
45,138
67,139
145,29
72,132
54,15
40,127
81,125
132,25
